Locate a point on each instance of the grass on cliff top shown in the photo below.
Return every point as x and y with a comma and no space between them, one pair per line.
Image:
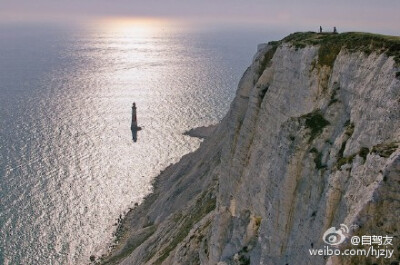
266,59
331,44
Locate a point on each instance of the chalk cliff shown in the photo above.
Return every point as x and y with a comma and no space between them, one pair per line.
311,141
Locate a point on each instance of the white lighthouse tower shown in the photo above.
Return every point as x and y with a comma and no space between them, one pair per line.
134,127
134,118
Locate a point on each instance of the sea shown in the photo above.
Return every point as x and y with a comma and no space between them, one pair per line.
69,166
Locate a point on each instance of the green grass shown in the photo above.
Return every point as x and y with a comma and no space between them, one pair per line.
341,160
317,158
331,44
318,161
349,129
364,152
258,220
244,259
316,122
132,244
333,98
345,160
385,149
204,205
341,150
266,59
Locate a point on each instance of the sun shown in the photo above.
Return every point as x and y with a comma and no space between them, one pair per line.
135,26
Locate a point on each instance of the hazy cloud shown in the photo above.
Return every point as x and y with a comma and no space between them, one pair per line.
367,15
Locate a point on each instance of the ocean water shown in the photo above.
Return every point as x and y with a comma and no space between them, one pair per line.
68,165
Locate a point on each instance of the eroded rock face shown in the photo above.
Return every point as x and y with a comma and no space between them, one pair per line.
303,148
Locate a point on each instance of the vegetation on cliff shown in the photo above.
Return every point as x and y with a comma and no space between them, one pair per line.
331,44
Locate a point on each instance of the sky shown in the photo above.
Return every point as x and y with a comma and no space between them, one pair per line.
347,15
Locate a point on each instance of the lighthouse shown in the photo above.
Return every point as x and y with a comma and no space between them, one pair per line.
134,126
134,118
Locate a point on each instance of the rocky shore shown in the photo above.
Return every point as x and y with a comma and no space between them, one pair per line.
201,132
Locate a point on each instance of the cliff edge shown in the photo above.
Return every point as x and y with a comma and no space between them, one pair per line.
311,141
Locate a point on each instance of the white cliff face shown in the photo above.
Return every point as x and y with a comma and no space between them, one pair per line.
303,148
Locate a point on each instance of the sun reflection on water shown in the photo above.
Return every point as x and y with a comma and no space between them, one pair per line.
71,167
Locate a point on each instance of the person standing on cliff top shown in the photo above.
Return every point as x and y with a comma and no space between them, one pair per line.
320,29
